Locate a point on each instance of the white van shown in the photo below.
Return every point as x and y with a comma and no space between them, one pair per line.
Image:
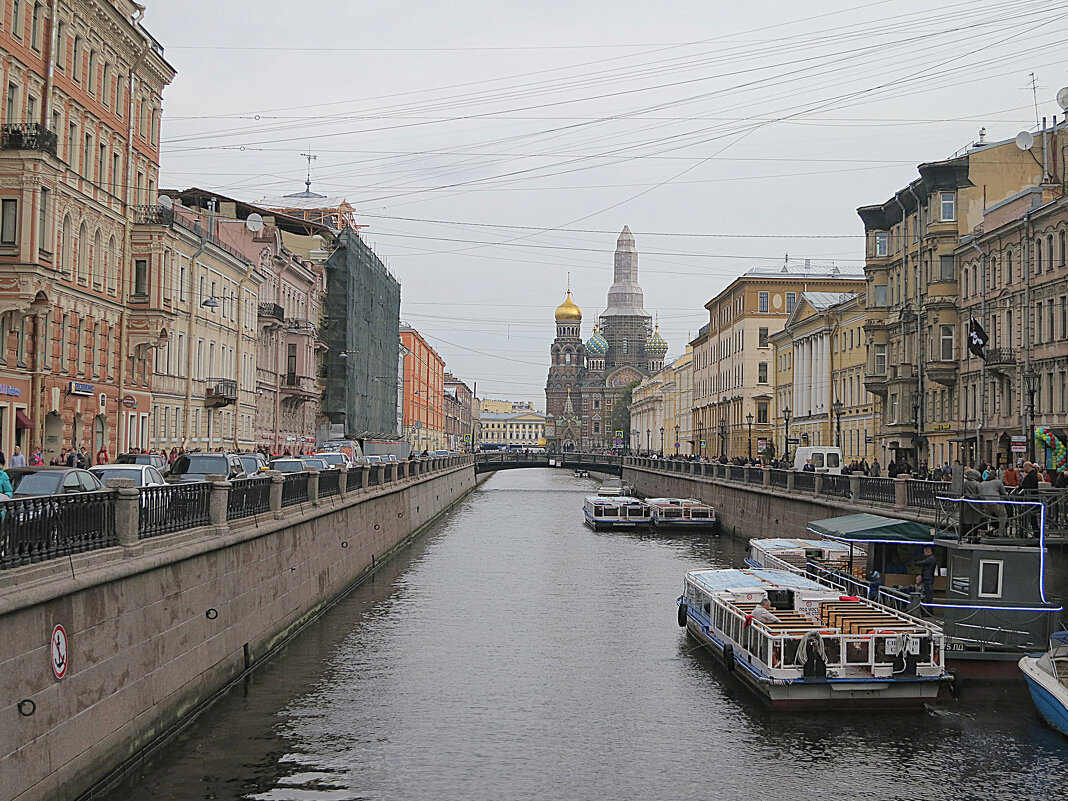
825,459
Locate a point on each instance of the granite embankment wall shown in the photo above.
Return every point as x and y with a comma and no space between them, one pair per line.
154,636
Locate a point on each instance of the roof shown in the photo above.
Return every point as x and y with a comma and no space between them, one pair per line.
526,414
873,528
779,544
805,271
719,580
302,201
824,300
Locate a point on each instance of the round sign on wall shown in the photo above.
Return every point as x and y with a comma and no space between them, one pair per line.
59,652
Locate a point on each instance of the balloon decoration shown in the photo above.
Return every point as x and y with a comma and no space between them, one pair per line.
1058,454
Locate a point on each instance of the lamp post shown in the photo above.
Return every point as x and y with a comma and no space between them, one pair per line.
661,440
749,422
648,445
837,407
676,440
723,437
1029,387
786,447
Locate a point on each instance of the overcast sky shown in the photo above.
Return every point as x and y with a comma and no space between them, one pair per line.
493,147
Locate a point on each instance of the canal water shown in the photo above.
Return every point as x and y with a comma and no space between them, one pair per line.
513,653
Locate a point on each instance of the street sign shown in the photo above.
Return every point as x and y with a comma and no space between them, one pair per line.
467,437
704,443
1019,438
619,435
793,441
1019,447
59,652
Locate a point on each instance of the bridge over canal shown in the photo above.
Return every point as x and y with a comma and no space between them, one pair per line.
594,462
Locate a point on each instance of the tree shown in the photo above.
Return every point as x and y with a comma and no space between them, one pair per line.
619,420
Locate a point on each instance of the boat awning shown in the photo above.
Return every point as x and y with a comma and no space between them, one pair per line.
873,528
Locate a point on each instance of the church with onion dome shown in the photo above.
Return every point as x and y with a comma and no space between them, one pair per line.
587,378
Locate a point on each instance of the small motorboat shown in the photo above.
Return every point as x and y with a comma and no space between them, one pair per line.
1047,678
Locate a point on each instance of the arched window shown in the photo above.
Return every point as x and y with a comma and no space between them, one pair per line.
65,246
1051,263
1038,255
111,261
1008,266
1064,247
98,262
81,253
964,283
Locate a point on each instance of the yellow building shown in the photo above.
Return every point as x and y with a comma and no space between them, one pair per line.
660,410
820,358
733,366
915,333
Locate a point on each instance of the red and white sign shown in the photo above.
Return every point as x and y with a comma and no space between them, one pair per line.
59,652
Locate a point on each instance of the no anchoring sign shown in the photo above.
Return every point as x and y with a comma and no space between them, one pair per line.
59,652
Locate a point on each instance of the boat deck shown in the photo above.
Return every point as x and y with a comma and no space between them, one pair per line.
847,617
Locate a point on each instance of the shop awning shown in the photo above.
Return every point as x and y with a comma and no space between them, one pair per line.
873,528
22,420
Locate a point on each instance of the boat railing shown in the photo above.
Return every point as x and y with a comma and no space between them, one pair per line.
821,575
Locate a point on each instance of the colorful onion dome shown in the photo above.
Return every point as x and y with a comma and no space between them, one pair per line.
568,310
597,345
656,345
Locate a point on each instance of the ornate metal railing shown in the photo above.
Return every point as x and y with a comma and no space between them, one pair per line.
804,481
49,526
174,507
294,489
838,486
877,490
329,483
248,496
924,494
28,136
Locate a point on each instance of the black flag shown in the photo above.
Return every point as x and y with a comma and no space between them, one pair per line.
977,339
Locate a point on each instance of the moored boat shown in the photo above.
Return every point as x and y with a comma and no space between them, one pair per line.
622,511
822,558
1047,679
681,513
825,650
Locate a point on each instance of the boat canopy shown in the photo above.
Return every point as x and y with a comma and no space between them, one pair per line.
732,579
873,528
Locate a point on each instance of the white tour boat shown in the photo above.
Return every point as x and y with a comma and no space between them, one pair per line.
827,650
622,511
681,513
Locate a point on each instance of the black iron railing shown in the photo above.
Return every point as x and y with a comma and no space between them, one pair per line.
28,136
329,483
221,390
49,526
735,472
877,490
756,475
248,496
924,494
779,478
174,507
273,311
294,489
804,481
153,215
836,485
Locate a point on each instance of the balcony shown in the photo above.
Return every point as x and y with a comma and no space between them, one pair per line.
298,326
943,372
298,389
28,136
875,383
220,392
153,215
1001,359
272,311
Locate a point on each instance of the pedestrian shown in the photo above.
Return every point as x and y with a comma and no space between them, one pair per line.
808,468
927,575
102,456
993,488
1028,488
6,490
892,469
18,459
875,468
72,458
36,458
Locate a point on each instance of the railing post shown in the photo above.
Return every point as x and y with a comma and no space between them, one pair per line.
313,486
343,480
402,470
218,498
817,483
901,492
767,475
127,513
854,485
745,473
391,472
277,480
378,470
790,481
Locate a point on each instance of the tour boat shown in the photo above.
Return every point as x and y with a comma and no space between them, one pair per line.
1047,678
822,558
614,487
681,513
619,511
828,650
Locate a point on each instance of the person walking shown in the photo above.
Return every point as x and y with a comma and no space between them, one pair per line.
876,468
102,456
18,459
36,458
1029,489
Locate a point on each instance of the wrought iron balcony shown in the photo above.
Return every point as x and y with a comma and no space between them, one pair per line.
1000,357
153,215
272,311
28,136
220,392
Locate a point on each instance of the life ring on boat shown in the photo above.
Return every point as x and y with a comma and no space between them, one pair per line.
728,658
683,612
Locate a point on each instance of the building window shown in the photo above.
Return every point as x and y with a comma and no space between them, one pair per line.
9,213
12,91
762,337
946,263
1038,255
762,373
16,17
762,303
35,27
76,61
882,243
880,295
92,71
946,332
43,242
949,206
141,277
791,300
880,360
61,45
762,412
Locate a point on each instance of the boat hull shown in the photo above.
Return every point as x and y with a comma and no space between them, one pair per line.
821,695
1050,696
599,524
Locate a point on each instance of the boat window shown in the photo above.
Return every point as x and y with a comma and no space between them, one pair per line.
989,578
960,580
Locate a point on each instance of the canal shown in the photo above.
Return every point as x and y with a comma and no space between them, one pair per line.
512,653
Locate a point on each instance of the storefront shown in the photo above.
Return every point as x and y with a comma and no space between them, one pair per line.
16,423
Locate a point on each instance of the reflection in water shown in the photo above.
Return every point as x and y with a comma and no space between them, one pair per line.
514,654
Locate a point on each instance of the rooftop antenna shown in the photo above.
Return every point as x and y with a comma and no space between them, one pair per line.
1034,93
311,158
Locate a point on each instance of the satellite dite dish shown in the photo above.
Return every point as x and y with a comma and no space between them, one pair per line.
1062,98
1024,140
254,222
164,201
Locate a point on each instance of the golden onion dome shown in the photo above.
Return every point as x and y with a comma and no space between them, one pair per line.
568,310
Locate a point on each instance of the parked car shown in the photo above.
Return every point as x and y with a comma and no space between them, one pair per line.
28,481
252,462
287,465
334,458
144,475
317,463
373,459
198,466
154,459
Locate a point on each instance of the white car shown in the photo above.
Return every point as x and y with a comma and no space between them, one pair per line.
333,458
144,475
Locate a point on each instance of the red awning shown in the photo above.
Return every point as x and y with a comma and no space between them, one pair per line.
22,420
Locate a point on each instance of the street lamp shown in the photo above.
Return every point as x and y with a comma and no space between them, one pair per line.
676,440
786,448
837,407
723,437
648,445
1030,388
749,422
661,440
